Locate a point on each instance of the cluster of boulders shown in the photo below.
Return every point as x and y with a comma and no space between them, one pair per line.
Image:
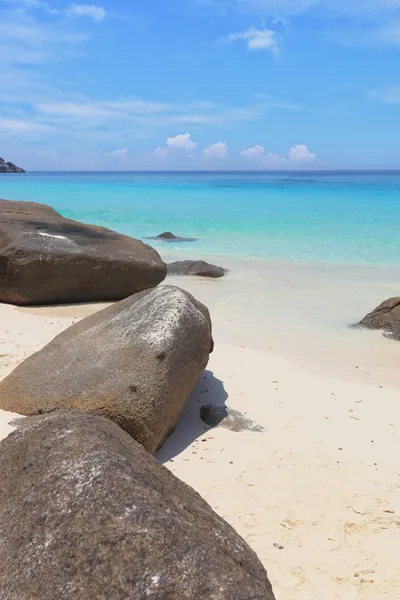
48,259
86,512
198,268
9,167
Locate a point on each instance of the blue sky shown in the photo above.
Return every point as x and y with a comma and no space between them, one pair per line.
200,84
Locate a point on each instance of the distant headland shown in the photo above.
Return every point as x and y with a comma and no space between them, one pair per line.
9,167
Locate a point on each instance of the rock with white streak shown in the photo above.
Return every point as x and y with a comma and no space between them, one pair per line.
135,362
47,259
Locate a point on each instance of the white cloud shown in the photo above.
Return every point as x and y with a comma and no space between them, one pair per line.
77,109
160,152
97,13
23,125
22,56
120,153
253,152
390,95
182,142
218,150
257,153
300,152
257,39
274,161
33,34
74,112
297,154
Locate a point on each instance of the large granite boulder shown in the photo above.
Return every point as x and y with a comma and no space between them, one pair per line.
9,167
200,268
386,317
87,514
136,362
47,259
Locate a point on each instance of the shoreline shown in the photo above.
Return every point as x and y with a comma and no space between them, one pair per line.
185,250
322,481
302,313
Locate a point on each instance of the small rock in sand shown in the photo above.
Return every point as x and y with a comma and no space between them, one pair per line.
221,416
278,546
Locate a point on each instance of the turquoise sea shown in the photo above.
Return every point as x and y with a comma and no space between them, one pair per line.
308,216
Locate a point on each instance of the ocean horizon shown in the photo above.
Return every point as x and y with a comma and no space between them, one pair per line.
337,216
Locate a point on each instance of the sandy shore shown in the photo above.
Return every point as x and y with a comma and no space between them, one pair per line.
317,495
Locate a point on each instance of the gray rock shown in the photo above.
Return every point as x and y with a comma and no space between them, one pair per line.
167,236
386,317
229,418
195,267
87,514
392,335
136,362
47,259
9,167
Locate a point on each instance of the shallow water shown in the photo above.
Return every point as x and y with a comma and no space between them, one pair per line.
304,312
302,216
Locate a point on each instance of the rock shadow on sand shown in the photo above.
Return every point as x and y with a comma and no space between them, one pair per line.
208,390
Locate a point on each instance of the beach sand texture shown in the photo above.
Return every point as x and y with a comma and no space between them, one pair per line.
317,494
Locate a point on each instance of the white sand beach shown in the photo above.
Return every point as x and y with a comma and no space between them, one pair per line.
317,494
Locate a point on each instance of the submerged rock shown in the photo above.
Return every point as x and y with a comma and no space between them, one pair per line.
87,514
167,236
9,167
135,362
195,267
47,259
386,317
222,416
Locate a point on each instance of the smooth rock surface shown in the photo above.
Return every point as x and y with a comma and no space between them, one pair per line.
136,362
87,514
386,317
47,259
198,268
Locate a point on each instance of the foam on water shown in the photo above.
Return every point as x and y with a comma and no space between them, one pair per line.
324,217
